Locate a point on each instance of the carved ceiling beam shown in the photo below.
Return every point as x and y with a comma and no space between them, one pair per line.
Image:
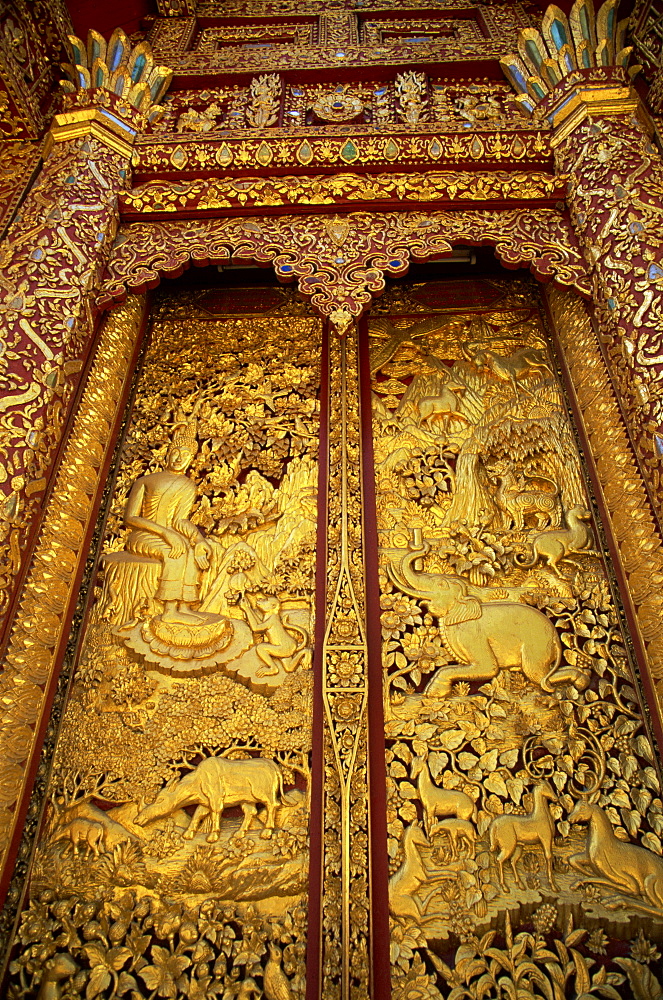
341,262
159,199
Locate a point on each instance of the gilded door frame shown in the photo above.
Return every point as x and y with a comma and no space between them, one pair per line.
77,487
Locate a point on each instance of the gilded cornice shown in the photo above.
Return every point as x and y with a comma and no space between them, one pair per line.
217,194
424,147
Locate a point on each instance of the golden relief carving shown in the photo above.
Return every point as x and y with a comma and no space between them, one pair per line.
345,903
522,783
175,842
443,185
34,648
336,148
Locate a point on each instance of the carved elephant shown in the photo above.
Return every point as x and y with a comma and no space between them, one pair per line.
485,637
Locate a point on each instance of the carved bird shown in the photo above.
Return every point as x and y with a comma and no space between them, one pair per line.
248,990
386,349
275,982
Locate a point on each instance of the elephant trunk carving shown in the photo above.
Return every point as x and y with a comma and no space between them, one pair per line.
484,636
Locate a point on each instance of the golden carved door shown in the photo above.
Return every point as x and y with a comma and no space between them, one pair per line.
356,709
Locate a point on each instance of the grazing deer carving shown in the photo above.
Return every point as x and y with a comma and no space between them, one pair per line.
438,801
406,880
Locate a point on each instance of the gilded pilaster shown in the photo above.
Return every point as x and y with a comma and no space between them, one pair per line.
572,74
345,920
53,257
622,483
39,624
615,182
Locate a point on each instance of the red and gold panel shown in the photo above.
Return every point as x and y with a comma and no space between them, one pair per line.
174,846
524,811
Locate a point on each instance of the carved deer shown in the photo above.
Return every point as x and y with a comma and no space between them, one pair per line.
406,880
438,801
625,868
509,368
508,835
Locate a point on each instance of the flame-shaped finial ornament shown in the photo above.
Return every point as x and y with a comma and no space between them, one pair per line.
582,41
127,71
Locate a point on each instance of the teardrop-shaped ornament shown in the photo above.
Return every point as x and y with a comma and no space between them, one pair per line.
304,153
223,156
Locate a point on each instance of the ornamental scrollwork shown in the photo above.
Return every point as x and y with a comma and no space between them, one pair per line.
342,262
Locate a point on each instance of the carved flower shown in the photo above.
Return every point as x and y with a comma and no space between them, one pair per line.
345,628
545,918
398,613
346,709
166,969
36,925
345,668
597,942
642,950
416,985
424,649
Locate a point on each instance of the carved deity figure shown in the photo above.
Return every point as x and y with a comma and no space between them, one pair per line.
157,512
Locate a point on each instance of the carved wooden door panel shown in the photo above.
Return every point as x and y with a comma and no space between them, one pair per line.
174,841
524,816
355,708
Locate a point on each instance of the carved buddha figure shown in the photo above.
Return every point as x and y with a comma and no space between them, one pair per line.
157,511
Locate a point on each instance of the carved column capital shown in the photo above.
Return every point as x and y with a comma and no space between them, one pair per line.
600,92
105,117
112,91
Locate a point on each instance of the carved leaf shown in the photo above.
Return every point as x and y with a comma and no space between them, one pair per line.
643,982
437,762
99,980
407,790
629,765
516,788
642,746
452,739
408,812
652,842
641,799
650,777
582,975
403,751
495,783
632,820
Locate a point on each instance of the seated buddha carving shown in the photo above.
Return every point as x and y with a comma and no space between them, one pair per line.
152,588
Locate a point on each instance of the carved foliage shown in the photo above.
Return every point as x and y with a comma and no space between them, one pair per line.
342,263
52,260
